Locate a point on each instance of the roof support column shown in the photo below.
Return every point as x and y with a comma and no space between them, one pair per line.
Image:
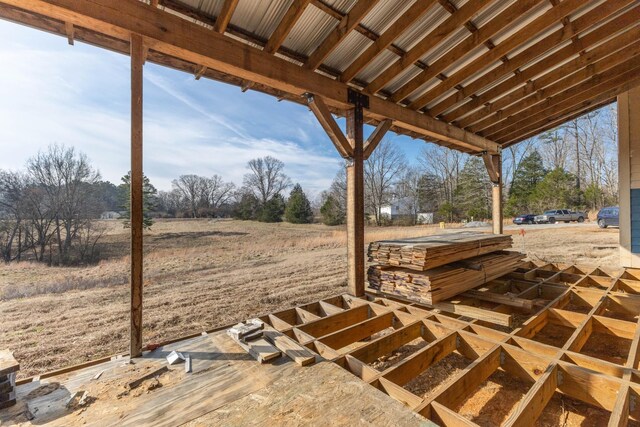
355,194
493,162
136,194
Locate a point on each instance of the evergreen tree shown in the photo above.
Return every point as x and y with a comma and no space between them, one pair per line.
298,210
473,193
332,212
248,207
528,175
556,191
273,210
149,201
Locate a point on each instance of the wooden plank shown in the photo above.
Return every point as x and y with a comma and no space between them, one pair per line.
421,360
358,332
223,19
533,403
261,349
476,313
509,300
446,417
8,363
328,123
403,22
388,343
136,195
345,26
376,136
289,19
355,204
406,397
294,351
305,315
329,324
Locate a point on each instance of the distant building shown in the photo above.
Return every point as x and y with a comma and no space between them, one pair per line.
110,215
425,218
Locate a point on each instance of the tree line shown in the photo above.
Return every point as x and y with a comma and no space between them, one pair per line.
573,166
48,209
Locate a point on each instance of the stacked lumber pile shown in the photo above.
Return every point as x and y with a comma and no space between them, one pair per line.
8,369
429,276
424,253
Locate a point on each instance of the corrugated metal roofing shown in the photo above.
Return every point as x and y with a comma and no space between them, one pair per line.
254,21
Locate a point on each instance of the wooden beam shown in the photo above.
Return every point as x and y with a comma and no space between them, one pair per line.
403,22
355,203
345,26
605,85
498,23
136,194
331,128
553,82
471,8
224,17
70,30
200,72
375,137
171,35
533,403
493,100
534,52
289,19
538,25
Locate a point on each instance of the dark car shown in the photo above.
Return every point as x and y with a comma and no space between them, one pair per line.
524,219
609,217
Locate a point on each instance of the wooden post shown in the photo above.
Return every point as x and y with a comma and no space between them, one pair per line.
629,176
493,163
355,195
137,60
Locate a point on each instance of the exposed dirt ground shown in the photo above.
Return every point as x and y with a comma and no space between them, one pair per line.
200,274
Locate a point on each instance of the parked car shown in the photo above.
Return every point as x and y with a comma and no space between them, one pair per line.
525,219
609,217
555,215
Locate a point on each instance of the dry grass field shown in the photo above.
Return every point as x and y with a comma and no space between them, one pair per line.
200,274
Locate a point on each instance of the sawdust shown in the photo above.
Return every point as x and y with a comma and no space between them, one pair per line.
607,347
495,399
555,335
430,381
565,411
398,355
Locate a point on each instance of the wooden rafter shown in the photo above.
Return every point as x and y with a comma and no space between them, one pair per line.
495,99
591,73
345,26
595,85
538,25
223,19
513,64
403,22
70,30
601,94
171,35
285,26
471,8
376,137
498,23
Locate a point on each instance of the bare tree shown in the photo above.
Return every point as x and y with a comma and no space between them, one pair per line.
67,178
266,178
217,192
191,188
12,212
446,165
511,158
381,172
410,189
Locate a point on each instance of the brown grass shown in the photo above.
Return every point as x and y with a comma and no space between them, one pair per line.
200,274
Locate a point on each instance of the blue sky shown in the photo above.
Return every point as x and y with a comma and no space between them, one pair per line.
51,92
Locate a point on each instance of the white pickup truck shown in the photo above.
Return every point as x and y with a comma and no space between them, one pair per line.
557,215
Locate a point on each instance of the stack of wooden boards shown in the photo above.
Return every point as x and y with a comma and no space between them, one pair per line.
423,253
8,369
434,268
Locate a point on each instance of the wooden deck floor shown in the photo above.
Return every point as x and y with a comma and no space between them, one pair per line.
226,387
